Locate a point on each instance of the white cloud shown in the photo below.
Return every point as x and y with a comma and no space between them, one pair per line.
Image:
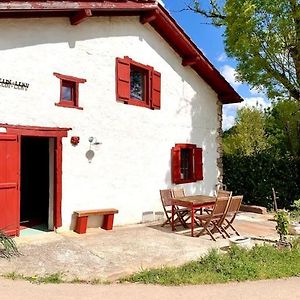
256,101
229,111
222,57
229,73
228,121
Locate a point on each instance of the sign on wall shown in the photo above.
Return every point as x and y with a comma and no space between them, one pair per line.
9,83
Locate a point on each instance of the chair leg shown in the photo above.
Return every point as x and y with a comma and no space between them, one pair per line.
181,219
206,229
236,232
224,230
164,223
219,230
211,235
229,225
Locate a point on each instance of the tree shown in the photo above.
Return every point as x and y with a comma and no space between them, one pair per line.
264,38
283,127
248,136
260,152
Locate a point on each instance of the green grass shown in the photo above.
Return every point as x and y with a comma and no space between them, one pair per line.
55,278
50,278
261,262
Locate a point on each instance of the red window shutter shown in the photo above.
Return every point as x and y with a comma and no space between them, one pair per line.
175,167
156,90
198,164
123,78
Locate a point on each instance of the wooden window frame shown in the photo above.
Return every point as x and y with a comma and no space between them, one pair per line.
74,84
152,83
195,163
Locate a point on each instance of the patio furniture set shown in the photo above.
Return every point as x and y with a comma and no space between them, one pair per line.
201,213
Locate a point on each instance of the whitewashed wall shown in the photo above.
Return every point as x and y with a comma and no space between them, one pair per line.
133,161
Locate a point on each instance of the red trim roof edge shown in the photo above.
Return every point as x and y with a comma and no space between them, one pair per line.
150,12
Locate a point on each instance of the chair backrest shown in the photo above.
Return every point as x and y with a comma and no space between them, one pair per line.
234,205
222,193
221,205
166,197
178,193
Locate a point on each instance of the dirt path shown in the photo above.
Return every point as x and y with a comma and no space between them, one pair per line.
263,290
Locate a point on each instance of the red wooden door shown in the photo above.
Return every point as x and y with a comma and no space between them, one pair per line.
9,184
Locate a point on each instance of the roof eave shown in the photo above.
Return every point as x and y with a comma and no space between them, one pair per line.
150,12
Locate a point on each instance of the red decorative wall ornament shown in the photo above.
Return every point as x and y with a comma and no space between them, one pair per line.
75,140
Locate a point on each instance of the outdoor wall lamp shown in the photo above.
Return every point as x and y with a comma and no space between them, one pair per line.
93,141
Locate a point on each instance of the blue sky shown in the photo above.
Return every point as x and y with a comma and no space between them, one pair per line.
209,39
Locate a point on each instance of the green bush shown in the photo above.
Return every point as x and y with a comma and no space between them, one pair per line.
283,221
254,176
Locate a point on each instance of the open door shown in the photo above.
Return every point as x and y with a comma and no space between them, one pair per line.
9,184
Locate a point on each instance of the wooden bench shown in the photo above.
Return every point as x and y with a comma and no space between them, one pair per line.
82,218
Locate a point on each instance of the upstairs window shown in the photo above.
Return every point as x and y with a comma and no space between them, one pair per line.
187,165
137,84
69,91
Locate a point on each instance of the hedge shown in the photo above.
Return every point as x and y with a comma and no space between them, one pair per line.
254,177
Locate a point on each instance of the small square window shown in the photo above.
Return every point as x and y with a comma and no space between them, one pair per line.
69,91
138,79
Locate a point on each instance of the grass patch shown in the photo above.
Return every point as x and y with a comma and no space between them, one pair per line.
50,278
261,262
55,278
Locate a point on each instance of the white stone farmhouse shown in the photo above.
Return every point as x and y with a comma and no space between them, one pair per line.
102,104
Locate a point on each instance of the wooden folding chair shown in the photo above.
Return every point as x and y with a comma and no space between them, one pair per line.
233,209
166,200
213,220
223,193
184,213
178,193
220,193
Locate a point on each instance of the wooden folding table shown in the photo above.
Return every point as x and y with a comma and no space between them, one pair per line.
192,203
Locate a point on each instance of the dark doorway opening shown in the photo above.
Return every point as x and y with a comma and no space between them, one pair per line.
34,204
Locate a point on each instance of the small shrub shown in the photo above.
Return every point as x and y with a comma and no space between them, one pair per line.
282,227
8,247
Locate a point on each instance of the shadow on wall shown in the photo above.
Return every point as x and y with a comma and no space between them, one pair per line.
206,139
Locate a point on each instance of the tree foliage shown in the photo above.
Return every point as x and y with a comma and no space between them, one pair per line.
283,127
248,136
264,38
261,152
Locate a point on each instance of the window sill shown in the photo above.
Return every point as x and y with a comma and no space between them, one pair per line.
137,103
185,181
62,104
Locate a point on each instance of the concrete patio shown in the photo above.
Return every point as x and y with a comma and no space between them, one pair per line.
108,255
